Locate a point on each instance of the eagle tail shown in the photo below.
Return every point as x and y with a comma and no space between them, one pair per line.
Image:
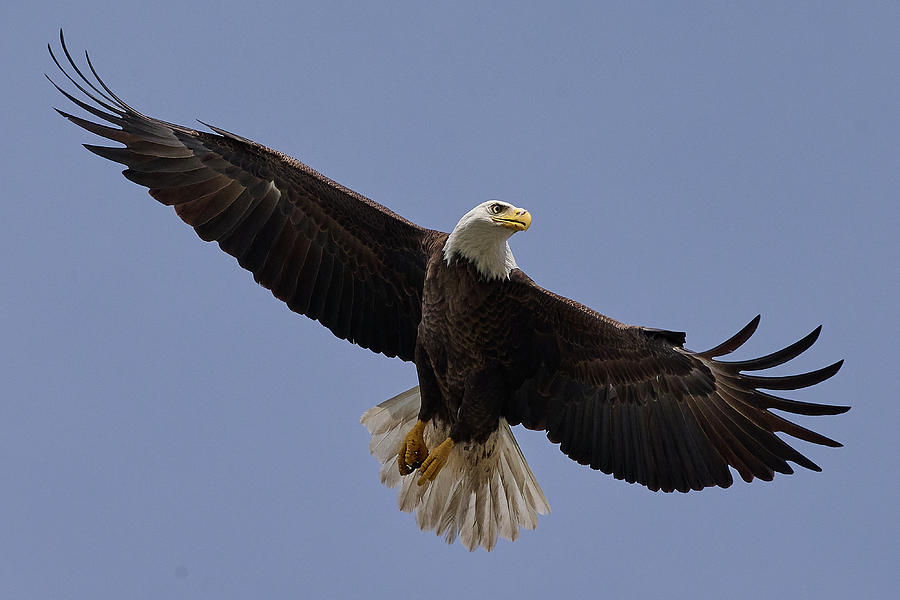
484,491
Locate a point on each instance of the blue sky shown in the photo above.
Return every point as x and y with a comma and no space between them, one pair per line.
170,430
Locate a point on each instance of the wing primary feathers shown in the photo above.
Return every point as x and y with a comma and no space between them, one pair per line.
742,445
120,155
117,135
797,407
62,42
793,382
105,87
756,455
734,342
778,423
87,107
724,439
779,357
714,433
756,425
181,187
118,110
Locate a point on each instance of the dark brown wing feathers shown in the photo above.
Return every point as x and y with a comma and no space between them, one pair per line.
633,402
328,252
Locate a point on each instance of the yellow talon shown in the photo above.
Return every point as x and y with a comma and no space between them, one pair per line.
436,460
412,449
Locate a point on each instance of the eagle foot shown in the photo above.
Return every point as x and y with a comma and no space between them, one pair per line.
412,449
436,460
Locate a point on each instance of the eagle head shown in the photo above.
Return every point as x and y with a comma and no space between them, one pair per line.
482,237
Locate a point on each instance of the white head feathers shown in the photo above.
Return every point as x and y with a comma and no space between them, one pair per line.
482,235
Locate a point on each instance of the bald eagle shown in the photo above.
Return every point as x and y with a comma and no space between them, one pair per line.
491,348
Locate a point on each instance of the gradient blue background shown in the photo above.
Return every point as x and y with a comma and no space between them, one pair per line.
169,430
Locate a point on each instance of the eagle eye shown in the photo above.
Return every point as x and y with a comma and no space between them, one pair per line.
495,208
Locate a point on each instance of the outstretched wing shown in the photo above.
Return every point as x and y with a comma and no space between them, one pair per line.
328,252
633,402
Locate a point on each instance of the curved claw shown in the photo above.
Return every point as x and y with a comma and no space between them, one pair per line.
412,450
436,460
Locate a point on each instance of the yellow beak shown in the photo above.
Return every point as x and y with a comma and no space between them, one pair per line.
517,219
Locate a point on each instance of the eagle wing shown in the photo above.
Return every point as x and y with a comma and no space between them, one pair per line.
328,252
634,403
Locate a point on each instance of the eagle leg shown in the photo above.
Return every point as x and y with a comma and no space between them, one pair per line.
412,449
436,460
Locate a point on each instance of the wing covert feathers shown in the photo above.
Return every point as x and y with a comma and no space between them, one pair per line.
326,251
485,491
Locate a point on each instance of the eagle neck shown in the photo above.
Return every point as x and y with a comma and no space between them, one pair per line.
490,254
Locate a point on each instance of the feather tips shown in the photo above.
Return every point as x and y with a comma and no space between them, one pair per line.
484,492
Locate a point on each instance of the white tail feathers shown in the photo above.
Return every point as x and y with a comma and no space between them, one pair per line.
484,491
